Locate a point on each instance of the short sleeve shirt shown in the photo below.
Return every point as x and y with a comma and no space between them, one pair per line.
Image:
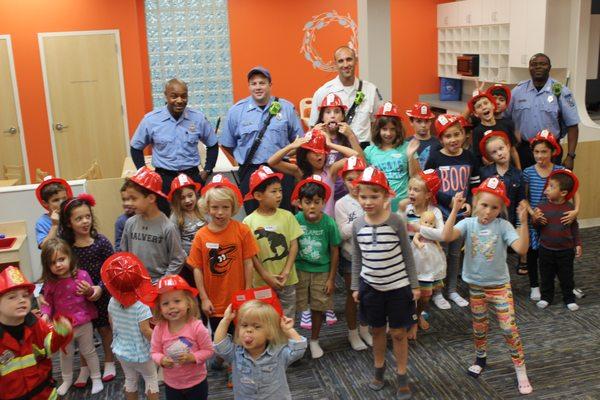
314,244
42,228
128,342
394,163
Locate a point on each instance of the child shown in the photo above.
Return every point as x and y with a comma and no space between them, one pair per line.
501,93
544,147
68,291
149,234
22,335
180,342
421,117
486,272
318,257
185,213
390,153
276,232
483,106
91,249
495,146
131,289
559,243
311,151
383,274
458,172
128,212
264,345
50,193
347,210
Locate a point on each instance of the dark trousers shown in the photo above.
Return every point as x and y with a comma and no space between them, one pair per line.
532,267
555,263
287,185
167,177
198,392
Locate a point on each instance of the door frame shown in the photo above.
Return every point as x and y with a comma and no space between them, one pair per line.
11,66
115,33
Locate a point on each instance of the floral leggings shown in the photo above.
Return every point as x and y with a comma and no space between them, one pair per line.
500,299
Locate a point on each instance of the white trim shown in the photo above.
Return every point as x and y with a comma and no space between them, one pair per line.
11,66
115,33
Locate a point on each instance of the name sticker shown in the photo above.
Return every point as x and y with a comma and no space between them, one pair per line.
212,245
485,232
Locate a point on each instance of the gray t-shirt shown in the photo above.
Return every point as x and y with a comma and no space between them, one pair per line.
156,242
191,225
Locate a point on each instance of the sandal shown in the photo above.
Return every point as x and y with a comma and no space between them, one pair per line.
522,269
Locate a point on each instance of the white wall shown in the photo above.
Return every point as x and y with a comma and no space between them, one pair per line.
593,47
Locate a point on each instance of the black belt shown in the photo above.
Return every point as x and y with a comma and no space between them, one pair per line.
188,171
49,381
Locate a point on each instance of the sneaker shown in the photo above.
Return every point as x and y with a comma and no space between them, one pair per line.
315,349
535,294
457,298
542,304
330,317
440,302
578,293
306,320
573,306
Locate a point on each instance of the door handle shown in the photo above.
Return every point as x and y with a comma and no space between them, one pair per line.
12,130
60,126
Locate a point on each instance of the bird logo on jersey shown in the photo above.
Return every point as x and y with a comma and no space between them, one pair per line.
220,259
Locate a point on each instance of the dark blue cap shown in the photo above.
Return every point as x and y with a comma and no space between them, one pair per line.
259,70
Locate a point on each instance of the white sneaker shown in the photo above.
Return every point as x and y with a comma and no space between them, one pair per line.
535,294
542,304
440,302
355,340
457,298
573,306
578,293
315,350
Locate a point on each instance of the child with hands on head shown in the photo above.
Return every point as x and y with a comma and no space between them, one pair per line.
50,193
180,342
68,291
486,272
263,346
129,284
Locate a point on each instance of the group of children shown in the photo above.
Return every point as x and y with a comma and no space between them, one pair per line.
391,220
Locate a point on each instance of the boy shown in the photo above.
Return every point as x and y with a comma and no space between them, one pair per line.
27,344
318,258
421,119
483,106
384,276
128,212
458,172
149,234
276,232
50,193
559,243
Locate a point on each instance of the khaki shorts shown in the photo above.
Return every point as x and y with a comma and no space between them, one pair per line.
287,298
310,289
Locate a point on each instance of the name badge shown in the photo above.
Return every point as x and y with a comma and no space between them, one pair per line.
270,228
485,232
397,155
212,245
550,99
192,127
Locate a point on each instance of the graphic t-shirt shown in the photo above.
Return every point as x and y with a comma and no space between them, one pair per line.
313,254
425,148
220,256
394,163
273,233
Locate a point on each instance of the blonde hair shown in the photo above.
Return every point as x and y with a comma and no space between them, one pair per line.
421,182
428,216
494,138
218,194
503,209
192,312
178,211
267,316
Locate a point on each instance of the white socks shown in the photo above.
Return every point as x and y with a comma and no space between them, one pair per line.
523,380
535,294
457,298
573,306
315,350
97,385
109,372
64,387
440,302
365,335
542,304
355,340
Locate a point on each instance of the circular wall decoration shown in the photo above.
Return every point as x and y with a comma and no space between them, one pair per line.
317,23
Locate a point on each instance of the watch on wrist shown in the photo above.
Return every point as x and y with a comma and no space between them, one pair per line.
572,155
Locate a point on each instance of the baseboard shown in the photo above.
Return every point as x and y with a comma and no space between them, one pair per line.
589,222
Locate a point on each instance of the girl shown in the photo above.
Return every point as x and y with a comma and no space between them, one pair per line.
390,153
264,345
77,226
544,146
68,291
486,272
128,281
429,258
180,342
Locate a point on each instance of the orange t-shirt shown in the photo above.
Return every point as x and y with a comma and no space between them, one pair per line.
221,257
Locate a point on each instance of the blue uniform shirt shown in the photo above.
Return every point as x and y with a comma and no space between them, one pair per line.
245,120
533,111
174,142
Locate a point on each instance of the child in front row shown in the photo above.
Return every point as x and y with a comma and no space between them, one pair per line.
318,257
384,276
559,243
263,346
486,272
50,193
129,284
276,232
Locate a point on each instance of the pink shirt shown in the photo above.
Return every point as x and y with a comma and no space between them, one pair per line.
192,338
329,206
62,298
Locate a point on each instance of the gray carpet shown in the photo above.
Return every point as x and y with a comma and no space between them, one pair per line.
562,350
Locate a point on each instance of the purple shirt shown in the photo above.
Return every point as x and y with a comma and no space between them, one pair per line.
62,298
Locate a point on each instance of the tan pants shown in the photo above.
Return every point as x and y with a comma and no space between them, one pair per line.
84,335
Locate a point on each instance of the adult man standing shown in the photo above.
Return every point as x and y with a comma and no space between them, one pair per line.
361,97
174,131
543,103
256,128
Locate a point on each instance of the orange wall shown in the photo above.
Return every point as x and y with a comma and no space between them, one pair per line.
23,20
269,33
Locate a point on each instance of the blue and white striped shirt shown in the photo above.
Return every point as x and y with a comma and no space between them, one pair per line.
129,344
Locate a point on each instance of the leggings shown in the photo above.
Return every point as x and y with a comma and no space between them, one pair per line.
501,301
533,267
452,251
84,335
146,369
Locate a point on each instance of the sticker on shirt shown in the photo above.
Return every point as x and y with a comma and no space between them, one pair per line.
550,99
397,155
484,245
485,232
210,245
220,259
277,243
